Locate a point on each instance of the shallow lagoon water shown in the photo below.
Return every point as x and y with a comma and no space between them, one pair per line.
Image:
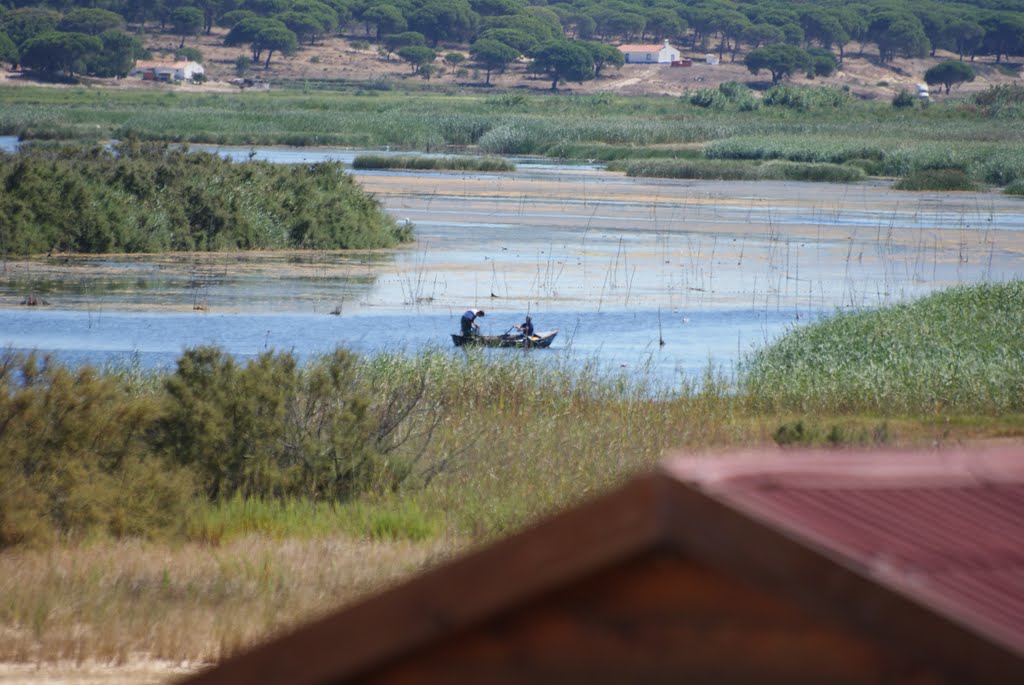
619,265
614,342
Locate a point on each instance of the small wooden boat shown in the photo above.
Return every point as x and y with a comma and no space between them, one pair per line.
507,340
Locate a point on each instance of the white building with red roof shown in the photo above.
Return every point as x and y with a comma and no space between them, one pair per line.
182,70
650,54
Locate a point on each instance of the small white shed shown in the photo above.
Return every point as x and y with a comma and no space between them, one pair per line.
167,71
650,54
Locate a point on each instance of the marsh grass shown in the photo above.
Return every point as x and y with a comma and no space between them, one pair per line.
591,152
960,351
389,519
803,125
923,162
449,163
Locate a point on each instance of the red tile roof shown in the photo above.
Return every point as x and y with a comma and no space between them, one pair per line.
642,48
946,530
144,64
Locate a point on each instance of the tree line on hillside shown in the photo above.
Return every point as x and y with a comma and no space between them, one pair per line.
147,197
564,40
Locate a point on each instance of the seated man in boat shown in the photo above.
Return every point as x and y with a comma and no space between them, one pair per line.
469,327
526,328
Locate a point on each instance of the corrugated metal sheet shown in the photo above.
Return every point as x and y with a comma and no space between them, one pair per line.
943,532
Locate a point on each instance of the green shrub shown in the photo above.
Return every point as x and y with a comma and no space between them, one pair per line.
510,139
805,98
1001,95
728,93
823,62
807,433
1016,188
273,429
935,179
733,90
903,99
792,434
707,98
190,54
74,460
143,197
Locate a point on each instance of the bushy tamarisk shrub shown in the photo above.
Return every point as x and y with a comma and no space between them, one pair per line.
273,428
248,430
151,197
74,458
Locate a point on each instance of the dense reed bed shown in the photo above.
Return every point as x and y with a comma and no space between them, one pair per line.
449,163
728,170
120,541
980,161
959,351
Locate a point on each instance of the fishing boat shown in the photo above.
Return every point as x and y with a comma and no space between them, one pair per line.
507,340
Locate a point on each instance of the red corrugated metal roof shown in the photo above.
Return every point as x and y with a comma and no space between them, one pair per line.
946,530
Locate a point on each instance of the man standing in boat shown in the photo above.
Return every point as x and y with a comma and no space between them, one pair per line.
469,327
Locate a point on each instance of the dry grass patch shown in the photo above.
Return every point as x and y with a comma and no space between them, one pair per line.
114,602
